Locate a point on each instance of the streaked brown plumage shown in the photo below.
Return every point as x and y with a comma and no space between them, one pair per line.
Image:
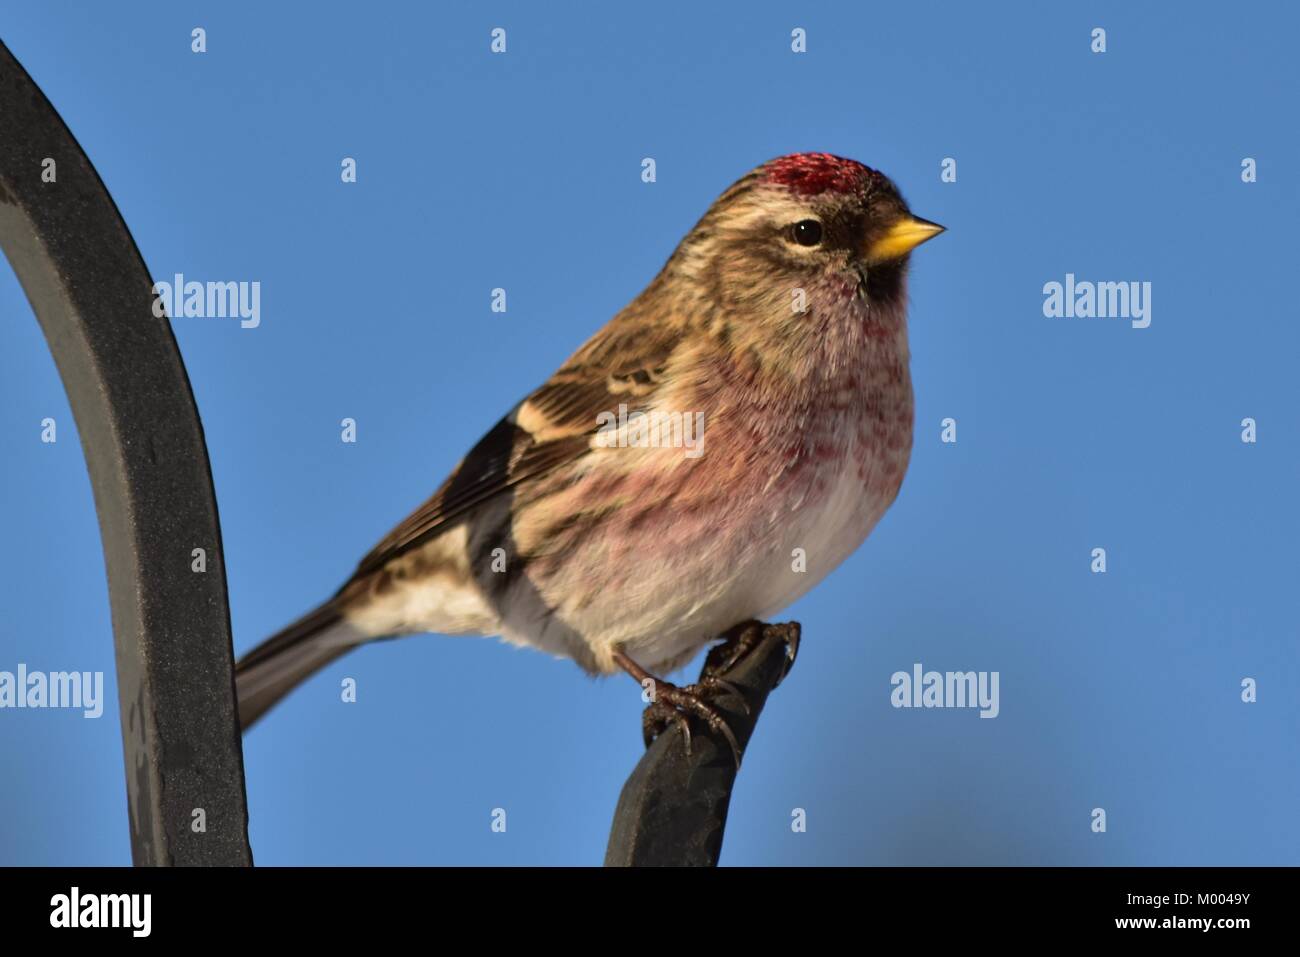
551,539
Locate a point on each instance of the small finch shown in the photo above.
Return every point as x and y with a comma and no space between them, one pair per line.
713,452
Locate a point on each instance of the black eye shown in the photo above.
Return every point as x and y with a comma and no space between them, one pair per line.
807,232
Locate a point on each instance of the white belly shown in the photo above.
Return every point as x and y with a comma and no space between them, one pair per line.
800,544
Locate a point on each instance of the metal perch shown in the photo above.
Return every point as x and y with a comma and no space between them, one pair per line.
674,806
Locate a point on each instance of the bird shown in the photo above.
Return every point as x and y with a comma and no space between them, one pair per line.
716,449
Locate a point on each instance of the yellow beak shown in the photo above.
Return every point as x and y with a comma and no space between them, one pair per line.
901,238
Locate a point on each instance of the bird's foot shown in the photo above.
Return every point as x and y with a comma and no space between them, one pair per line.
739,641
673,705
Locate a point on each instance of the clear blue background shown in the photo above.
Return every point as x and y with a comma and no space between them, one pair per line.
1119,691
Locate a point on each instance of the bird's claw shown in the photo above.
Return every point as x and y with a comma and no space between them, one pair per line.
674,705
744,638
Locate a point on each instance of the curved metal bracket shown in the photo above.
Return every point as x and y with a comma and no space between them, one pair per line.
148,464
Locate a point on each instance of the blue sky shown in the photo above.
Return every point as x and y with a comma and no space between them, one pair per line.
1119,690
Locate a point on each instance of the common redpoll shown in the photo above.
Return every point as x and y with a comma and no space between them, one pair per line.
716,449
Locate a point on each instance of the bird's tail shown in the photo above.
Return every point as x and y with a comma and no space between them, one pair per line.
282,662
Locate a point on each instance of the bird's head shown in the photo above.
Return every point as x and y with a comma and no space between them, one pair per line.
806,220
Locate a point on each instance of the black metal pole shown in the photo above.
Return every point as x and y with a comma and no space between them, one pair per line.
673,808
148,464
